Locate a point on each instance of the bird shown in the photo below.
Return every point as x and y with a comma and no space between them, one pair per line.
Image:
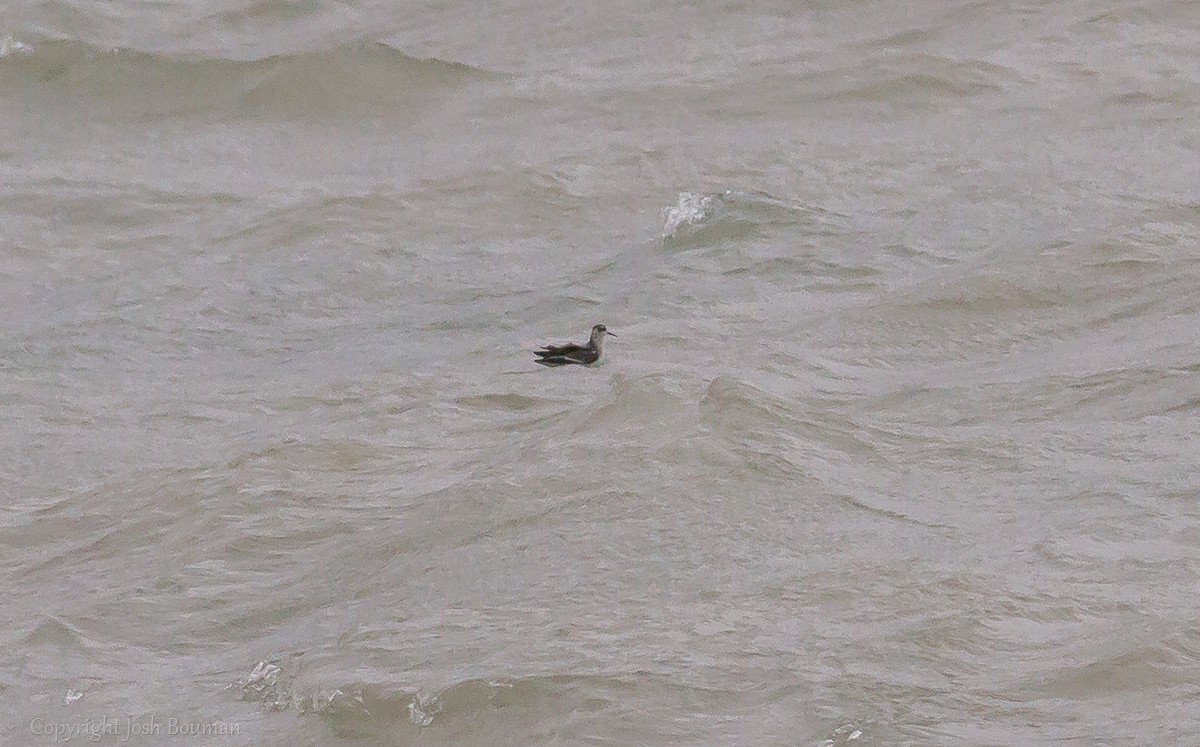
584,355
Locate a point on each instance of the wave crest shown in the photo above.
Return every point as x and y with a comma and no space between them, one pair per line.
700,219
349,79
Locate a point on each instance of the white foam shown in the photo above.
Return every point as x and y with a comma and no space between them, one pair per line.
10,46
421,711
689,209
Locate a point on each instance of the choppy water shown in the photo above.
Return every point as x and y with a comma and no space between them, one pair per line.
897,444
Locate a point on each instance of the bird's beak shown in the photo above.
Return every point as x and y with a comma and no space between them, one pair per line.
610,334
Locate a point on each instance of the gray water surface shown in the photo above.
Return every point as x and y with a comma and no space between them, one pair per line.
896,445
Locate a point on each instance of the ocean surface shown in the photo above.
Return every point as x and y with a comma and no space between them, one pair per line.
897,444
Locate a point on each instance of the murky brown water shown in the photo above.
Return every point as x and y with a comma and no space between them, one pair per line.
896,445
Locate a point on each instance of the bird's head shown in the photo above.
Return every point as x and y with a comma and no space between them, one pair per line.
598,334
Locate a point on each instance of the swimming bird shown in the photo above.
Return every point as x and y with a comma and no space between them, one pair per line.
584,355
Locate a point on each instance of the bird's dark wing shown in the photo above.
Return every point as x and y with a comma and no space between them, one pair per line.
584,356
572,354
550,350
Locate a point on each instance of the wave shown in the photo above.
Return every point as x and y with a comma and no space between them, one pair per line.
914,80
755,235
385,704
539,706
504,709
704,219
353,78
